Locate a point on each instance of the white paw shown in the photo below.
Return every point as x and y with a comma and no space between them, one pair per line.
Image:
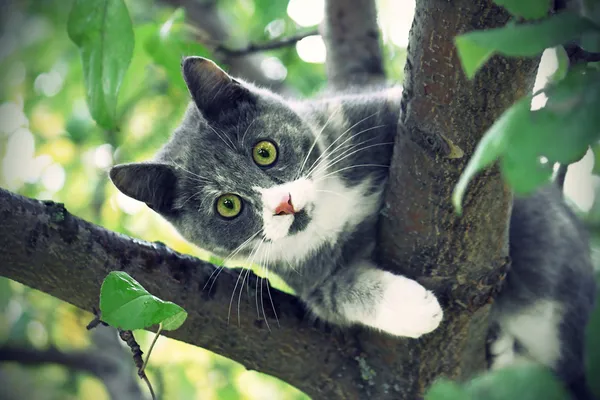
407,308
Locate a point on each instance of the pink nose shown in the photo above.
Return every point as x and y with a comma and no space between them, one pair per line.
285,207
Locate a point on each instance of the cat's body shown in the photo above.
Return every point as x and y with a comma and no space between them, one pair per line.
297,187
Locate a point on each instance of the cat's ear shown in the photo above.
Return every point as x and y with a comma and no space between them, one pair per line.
150,183
213,90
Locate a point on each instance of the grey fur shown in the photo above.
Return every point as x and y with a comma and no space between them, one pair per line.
210,154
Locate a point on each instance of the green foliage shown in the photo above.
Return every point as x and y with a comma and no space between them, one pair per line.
53,123
530,142
125,304
103,32
530,9
524,382
475,48
563,64
444,389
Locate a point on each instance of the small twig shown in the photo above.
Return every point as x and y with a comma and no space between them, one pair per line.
152,346
96,321
561,175
127,337
577,55
272,45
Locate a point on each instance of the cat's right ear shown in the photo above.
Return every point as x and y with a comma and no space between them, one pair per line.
213,90
150,183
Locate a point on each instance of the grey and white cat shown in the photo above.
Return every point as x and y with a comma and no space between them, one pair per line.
297,185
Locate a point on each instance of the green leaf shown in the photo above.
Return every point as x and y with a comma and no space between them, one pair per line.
525,382
530,9
444,389
559,132
591,42
103,32
563,64
530,382
525,174
493,144
475,48
125,304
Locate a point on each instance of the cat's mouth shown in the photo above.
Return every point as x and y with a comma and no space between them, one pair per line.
287,208
279,226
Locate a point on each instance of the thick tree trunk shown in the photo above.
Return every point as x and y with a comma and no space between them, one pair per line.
462,259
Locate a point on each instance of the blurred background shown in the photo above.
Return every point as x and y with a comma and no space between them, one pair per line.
51,149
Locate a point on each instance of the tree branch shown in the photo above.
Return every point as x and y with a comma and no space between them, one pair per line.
207,17
351,35
46,248
96,364
443,117
272,45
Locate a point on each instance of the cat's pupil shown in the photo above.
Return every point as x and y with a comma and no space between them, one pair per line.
228,203
264,153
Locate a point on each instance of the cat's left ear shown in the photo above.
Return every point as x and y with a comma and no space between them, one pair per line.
215,93
150,183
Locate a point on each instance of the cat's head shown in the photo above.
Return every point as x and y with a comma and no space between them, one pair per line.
233,170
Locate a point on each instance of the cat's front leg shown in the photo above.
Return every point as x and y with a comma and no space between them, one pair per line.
364,294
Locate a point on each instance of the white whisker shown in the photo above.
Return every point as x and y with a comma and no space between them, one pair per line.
350,167
255,251
317,139
200,178
347,140
356,151
339,137
247,129
231,255
222,137
336,193
269,290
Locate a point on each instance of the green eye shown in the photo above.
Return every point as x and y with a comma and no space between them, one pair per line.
264,153
229,205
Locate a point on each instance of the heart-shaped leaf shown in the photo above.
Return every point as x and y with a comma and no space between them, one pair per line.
125,304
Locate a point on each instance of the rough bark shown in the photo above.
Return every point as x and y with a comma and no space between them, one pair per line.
351,34
463,259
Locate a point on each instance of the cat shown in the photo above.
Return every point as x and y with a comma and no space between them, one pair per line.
298,185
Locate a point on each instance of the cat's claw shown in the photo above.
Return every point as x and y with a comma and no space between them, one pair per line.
407,309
